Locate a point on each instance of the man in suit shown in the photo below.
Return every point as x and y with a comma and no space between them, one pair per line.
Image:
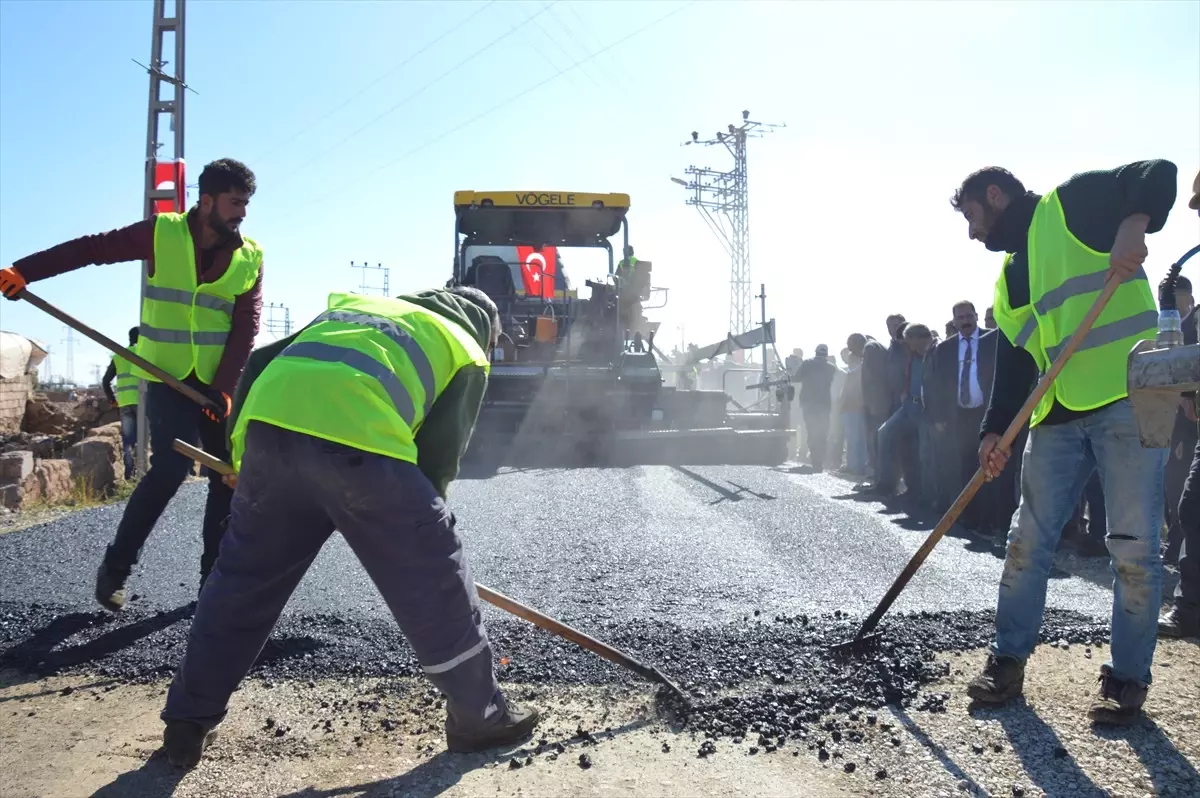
963,372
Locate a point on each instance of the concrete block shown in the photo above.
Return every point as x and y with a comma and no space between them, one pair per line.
15,466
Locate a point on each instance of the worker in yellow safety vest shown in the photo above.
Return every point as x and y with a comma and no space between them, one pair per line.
125,400
1064,245
356,423
200,313
626,266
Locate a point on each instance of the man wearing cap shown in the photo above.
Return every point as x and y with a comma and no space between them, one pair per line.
816,402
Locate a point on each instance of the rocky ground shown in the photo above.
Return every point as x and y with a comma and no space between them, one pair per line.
88,735
734,581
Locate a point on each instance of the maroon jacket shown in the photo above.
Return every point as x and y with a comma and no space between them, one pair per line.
136,242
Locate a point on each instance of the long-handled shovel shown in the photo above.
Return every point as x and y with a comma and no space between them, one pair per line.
865,637
116,348
500,600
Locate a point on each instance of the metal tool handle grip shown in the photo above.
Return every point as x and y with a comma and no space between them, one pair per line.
113,346
1010,434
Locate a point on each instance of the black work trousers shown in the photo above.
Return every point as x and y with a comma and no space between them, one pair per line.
816,422
1187,594
172,415
990,512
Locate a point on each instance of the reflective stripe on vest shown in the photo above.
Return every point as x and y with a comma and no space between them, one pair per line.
1065,277
365,373
127,382
185,324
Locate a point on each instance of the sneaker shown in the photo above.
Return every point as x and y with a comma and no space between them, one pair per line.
185,742
1120,702
110,587
1178,622
516,726
1002,680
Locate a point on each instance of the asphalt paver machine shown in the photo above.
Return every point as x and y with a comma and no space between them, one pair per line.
575,380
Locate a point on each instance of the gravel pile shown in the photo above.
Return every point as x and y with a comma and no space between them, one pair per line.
776,673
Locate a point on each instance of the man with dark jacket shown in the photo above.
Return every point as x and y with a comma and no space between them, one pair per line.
355,423
1183,619
877,403
1063,247
815,376
897,362
957,400
199,316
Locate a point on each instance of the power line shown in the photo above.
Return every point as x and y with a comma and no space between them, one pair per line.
541,52
420,91
379,79
589,41
554,40
584,46
375,172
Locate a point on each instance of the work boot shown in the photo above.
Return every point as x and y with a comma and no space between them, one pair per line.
1120,701
1002,680
1179,622
516,726
185,742
110,586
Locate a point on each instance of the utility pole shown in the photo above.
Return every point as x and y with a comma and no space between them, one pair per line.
97,373
723,199
70,342
762,299
279,320
156,199
364,289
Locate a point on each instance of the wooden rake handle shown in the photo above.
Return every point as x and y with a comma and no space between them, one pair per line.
116,348
1005,442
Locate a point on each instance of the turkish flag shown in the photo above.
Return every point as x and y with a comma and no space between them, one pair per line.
170,175
537,270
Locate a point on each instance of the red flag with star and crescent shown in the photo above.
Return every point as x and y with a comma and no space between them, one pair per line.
537,270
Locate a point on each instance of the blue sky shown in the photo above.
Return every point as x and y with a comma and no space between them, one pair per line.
887,107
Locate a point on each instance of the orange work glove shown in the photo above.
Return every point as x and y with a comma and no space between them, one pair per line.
11,282
223,401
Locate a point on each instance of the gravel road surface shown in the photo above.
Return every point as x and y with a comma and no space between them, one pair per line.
734,580
694,546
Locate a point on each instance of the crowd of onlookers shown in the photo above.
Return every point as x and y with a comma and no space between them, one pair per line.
902,417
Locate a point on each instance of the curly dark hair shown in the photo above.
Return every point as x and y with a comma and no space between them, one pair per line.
975,187
224,175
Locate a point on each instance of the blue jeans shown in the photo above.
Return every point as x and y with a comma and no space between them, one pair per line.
893,435
1132,478
854,425
129,421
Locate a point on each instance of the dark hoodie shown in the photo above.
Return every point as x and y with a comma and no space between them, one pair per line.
443,437
1094,205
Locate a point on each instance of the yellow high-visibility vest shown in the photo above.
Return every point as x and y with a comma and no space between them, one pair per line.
1065,277
364,374
185,323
